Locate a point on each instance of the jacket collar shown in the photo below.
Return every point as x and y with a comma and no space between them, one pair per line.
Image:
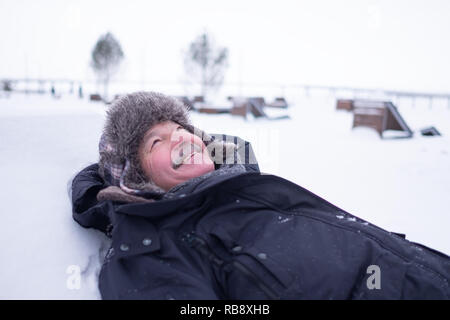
160,208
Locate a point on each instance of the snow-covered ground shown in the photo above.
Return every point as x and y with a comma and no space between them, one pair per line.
400,185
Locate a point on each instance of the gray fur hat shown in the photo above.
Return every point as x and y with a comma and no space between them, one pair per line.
128,119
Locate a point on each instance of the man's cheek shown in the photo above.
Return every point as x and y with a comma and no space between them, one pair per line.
162,160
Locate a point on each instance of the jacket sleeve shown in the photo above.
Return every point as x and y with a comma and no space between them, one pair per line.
86,210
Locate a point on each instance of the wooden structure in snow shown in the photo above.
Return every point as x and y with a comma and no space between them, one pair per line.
246,106
344,105
95,97
254,106
379,115
240,107
212,110
430,131
279,102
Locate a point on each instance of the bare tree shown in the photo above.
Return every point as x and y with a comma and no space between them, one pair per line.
206,63
107,55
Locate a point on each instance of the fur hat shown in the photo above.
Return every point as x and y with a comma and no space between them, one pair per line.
127,121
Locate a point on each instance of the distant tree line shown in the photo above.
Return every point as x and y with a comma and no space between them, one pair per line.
205,62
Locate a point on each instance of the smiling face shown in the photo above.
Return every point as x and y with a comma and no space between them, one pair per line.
170,155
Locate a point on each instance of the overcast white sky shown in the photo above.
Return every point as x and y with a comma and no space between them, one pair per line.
396,44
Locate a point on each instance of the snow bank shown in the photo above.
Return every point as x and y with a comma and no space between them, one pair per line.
400,185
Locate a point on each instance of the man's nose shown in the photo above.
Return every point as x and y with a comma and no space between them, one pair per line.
178,138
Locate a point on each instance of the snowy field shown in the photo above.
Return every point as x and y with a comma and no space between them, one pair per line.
400,185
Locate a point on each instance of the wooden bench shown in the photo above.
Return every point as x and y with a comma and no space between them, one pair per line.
198,99
372,117
95,97
279,102
379,115
344,105
212,110
243,106
240,107
255,106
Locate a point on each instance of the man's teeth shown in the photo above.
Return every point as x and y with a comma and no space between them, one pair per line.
189,157
186,152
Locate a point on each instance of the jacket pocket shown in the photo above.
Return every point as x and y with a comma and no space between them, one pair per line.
254,266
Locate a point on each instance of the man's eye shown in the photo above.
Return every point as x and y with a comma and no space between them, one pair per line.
154,143
180,127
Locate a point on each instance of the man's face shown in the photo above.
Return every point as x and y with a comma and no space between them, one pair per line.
170,155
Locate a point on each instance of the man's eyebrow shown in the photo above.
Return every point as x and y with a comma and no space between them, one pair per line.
150,135
154,133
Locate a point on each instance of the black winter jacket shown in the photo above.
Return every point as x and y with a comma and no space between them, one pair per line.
252,236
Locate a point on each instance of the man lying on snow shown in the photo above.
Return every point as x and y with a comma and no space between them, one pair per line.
191,217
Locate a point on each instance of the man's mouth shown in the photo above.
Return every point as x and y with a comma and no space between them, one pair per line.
185,153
